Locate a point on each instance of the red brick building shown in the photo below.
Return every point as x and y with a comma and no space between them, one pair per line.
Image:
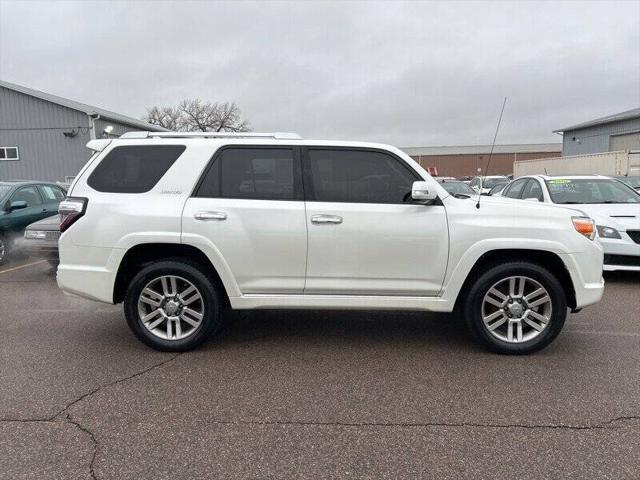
457,161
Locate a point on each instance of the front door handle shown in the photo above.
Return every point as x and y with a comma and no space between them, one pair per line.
210,216
321,219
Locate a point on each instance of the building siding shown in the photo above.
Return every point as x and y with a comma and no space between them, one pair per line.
596,139
468,164
36,127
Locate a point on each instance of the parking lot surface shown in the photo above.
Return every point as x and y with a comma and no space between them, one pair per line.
311,395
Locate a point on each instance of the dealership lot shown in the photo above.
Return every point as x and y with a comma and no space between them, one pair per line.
311,394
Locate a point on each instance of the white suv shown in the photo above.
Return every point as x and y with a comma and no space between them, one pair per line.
179,226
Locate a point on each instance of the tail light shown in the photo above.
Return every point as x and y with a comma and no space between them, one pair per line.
585,226
70,210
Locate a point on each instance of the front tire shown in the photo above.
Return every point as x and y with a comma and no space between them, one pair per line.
516,308
4,249
172,306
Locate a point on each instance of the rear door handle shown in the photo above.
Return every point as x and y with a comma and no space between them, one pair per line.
321,219
210,216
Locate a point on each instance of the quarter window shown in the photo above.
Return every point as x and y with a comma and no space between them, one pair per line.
359,176
253,173
134,169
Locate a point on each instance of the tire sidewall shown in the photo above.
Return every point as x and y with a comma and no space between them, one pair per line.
492,276
189,272
5,241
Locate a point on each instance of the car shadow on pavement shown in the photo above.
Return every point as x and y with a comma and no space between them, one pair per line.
332,326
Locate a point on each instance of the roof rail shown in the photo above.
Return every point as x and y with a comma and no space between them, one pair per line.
275,135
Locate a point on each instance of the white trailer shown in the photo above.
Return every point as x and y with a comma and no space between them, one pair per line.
618,163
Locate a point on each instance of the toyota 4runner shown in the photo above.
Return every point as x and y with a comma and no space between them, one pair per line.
179,226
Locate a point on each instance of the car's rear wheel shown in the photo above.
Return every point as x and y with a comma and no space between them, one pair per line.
172,306
516,308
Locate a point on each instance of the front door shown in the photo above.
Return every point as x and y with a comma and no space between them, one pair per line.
249,207
365,235
20,218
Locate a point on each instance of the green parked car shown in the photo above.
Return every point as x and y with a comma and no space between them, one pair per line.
22,203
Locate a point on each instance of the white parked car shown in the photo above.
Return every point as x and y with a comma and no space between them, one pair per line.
484,184
613,204
179,226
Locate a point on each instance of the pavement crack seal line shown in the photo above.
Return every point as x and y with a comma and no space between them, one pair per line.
600,426
67,416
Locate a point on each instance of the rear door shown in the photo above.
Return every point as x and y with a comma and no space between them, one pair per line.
249,207
365,235
52,196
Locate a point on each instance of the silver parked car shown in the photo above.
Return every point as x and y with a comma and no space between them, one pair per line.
41,239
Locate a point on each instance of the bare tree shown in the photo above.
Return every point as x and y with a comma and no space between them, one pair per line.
197,115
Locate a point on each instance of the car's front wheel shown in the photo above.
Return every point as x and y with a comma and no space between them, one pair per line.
4,249
516,308
172,306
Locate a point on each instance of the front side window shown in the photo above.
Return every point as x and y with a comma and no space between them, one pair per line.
359,176
134,169
515,189
590,190
253,173
533,190
29,195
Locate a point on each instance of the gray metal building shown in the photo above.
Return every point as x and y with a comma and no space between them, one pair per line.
43,136
607,134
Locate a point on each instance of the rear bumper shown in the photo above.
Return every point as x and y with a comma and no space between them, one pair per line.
88,272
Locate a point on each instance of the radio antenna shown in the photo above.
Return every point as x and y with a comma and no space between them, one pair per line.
486,170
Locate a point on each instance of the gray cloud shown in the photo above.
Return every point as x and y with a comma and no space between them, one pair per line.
404,73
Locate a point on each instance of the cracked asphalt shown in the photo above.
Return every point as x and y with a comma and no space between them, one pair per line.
312,395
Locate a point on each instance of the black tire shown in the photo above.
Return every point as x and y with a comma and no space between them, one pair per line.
473,304
5,248
193,273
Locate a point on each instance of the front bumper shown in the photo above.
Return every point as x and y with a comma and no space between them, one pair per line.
585,270
621,254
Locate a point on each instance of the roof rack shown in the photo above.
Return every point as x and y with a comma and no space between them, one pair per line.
275,135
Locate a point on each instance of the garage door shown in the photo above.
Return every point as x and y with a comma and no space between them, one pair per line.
628,141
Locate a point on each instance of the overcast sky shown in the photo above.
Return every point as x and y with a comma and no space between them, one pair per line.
410,74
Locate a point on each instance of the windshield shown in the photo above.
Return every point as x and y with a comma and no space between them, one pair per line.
4,188
458,187
590,190
492,182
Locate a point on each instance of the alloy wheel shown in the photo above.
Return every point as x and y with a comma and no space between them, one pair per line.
171,307
516,309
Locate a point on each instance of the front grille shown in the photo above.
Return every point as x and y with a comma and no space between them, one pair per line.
623,260
635,235
52,235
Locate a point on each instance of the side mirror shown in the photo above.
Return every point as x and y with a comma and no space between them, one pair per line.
17,205
422,192
532,199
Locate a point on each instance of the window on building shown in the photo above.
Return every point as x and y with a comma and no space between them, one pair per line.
9,153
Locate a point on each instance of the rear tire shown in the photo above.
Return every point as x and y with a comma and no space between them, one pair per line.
172,306
515,308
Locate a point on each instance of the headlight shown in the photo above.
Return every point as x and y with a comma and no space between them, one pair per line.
608,232
585,226
35,234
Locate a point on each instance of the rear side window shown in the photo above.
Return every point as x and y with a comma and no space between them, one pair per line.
359,176
515,189
134,169
253,173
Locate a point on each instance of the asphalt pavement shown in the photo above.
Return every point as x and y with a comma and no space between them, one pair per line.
291,394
